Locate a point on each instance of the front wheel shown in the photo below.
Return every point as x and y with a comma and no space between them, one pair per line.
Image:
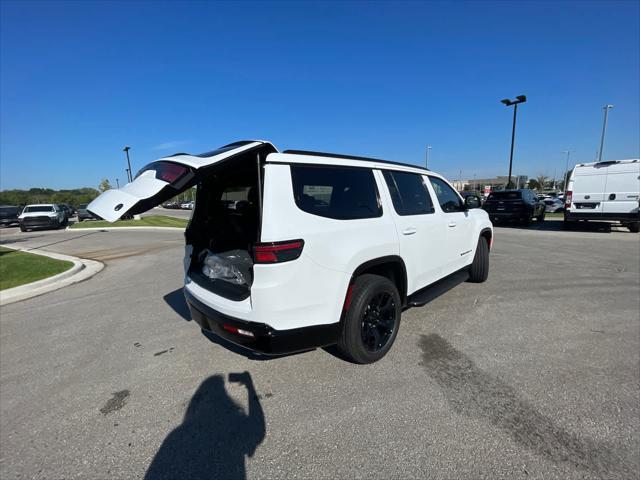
372,319
634,227
479,269
541,217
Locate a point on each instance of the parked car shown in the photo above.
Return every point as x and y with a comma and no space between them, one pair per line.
83,213
553,205
9,215
464,196
607,191
171,205
68,211
47,215
186,206
520,205
329,249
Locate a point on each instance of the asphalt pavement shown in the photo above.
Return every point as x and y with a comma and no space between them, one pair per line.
533,374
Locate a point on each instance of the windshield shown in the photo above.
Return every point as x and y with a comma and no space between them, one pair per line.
38,208
83,205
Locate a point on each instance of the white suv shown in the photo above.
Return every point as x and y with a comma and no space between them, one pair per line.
318,249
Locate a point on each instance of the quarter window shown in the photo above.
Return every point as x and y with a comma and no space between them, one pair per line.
335,192
408,193
447,196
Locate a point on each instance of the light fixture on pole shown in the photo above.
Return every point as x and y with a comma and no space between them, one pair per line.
519,99
604,129
129,176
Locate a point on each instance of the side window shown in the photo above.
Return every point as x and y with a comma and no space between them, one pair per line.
447,197
408,192
335,192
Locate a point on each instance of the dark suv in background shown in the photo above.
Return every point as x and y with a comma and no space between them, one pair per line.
9,215
520,205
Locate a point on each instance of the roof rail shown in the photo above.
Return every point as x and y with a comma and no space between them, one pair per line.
352,157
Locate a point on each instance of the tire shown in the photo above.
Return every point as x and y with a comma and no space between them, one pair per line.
79,219
527,221
22,229
479,269
634,227
540,217
365,341
568,225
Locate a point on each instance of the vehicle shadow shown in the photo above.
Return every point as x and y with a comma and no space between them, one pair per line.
215,435
178,304
472,392
558,226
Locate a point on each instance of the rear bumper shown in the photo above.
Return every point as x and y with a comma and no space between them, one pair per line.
263,338
8,221
509,215
611,217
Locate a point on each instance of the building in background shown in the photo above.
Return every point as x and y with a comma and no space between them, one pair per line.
497,183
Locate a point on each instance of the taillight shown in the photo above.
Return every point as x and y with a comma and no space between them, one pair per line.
277,252
567,200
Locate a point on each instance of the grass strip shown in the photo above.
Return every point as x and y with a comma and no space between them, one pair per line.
19,268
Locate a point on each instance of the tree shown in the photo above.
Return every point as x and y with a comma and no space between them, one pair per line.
104,185
533,184
542,181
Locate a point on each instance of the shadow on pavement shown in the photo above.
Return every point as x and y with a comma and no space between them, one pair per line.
558,226
215,435
472,392
177,302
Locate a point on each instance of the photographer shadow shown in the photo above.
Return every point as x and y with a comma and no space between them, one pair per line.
215,435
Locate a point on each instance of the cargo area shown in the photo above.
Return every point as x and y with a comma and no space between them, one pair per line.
225,226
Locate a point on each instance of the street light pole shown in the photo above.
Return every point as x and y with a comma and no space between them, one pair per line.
426,162
566,169
129,176
117,183
519,99
604,128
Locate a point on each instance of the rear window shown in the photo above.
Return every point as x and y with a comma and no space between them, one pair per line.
409,195
8,209
43,208
83,205
335,192
505,196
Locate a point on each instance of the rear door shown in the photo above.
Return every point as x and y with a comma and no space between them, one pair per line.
622,188
166,178
588,189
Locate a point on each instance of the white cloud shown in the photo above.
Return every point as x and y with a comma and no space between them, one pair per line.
171,145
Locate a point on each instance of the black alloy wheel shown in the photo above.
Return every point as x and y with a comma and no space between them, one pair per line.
378,321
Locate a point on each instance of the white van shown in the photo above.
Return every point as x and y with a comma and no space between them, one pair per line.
318,249
604,191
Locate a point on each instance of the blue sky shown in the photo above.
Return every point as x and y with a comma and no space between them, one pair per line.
80,80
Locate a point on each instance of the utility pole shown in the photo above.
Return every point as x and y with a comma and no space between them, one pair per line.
117,183
426,161
519,99
129,175
566,169
604,129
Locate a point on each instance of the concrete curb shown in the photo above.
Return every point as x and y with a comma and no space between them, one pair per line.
115,229
82,269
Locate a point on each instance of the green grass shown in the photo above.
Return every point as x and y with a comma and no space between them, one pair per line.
151,221
554,214
18,268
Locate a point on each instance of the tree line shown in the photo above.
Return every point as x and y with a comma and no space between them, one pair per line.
73,197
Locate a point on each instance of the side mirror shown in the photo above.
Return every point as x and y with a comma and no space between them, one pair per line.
471,202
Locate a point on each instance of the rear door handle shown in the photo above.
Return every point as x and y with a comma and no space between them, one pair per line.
409,231
452,224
